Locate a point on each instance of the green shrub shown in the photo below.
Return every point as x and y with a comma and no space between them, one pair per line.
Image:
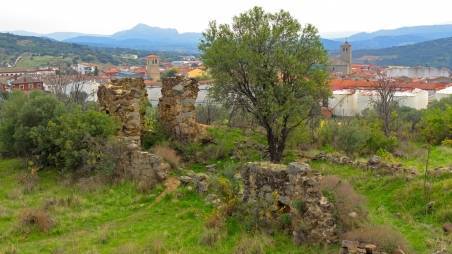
436,123
52,133
22,114
356,137
75,140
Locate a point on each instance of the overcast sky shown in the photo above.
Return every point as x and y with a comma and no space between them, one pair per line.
106,17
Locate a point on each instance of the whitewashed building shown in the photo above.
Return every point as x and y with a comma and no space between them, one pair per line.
350,102
441,94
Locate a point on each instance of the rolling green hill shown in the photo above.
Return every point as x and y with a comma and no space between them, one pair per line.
44,52
437,53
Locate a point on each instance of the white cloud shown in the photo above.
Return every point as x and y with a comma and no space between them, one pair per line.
105,17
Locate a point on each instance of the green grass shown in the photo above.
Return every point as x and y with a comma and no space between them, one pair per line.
28,61
400,203
440,156
115,219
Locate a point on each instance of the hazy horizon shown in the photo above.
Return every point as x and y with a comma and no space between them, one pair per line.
333,18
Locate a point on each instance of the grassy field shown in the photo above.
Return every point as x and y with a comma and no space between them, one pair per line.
28,61
93,218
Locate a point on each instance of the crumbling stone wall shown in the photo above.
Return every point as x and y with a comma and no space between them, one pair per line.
177,107
297,191
374,164
126,100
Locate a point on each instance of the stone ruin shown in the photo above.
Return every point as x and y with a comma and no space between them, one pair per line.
296,190
177,108
125,100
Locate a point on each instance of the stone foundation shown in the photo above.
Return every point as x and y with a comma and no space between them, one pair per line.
374,164
140,166
177,108
296,190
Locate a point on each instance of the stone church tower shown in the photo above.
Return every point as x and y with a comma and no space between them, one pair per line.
346,55
153,67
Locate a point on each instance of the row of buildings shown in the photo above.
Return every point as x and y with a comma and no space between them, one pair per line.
354,86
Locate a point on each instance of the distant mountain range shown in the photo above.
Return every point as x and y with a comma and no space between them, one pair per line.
398,37
144,37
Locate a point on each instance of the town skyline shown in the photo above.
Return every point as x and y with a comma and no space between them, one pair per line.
349,16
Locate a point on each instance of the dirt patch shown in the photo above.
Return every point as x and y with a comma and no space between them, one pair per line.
171,185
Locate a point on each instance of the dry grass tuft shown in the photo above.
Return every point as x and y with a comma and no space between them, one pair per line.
15,194
216,220
210,236
256,244
29,182
168,154
11,249
156,246
92,183
128,248
385,238
350,206
68,201
35,218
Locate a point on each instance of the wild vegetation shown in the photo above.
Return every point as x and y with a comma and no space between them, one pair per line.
59,193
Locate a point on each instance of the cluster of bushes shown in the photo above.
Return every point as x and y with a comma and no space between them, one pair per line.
50,133
355,137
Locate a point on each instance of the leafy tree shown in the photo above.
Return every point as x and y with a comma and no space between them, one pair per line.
169,73
267,64
410,115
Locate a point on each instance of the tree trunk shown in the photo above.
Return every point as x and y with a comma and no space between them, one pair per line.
276,145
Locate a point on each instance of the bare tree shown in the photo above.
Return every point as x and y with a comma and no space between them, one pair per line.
384,100
69,87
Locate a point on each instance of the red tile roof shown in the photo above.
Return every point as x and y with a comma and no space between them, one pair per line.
339,84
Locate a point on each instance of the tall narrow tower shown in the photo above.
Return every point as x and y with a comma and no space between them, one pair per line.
153,67
346,55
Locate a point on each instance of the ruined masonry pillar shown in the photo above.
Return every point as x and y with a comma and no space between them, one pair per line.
177,108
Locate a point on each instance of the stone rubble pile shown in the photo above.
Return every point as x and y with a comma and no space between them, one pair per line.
126,99
199,181
297,191
355,247
177,108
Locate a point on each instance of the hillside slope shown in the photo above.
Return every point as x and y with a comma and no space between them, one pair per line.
13,46
437,53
